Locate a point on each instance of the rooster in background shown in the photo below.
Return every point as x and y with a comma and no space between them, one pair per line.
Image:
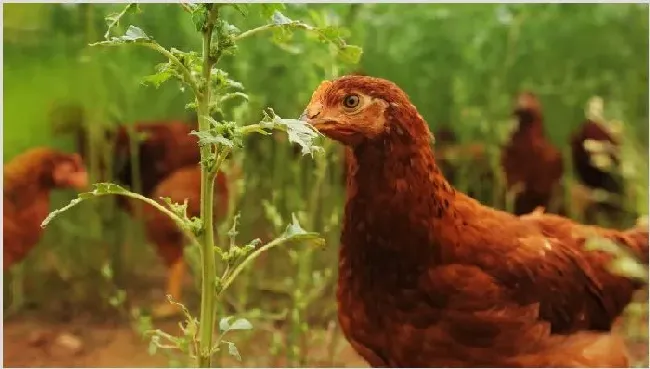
429,277
532,165
28,180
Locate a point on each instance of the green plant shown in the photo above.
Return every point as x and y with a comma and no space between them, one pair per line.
212,88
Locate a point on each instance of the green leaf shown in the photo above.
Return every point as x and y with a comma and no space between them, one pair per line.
199,17
219,133
208,138
298,131
350,54
224,324
101,189
294,231
240,325
113,19
330,32
232,350
280,19
164,71
132,35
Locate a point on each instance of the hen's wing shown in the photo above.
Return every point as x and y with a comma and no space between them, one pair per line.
573,287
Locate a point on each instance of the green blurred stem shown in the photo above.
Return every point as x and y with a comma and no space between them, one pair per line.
208,282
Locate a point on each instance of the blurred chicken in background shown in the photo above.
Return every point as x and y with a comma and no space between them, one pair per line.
532,165
28,180
595,155
167,166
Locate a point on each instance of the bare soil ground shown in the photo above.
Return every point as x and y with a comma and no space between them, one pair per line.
34,343
57,328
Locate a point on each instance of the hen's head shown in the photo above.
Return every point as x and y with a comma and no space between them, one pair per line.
527,109
68,171
357,109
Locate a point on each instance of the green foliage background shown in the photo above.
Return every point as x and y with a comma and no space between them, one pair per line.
461,64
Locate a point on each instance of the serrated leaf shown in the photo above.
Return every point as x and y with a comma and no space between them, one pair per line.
302,134
240,325
208,138
163,73
100,190
199,17
350,54
232,350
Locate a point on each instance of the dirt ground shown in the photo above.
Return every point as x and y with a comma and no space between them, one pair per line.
57,331
34,343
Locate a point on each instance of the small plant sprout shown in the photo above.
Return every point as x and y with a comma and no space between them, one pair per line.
212,87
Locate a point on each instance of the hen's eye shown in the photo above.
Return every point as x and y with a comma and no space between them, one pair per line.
351,101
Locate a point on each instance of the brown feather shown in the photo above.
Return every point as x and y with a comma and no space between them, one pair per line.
530,160
430,277
28,180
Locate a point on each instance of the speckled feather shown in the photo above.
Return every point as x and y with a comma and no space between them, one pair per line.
430,277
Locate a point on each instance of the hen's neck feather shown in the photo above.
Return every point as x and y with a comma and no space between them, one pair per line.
395,193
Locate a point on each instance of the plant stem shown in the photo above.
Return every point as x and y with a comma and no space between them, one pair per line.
206,326
253,31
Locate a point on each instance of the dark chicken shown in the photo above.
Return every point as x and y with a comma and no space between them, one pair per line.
430,277
28,180
532,165
588,173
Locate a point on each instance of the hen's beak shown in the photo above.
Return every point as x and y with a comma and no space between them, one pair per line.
303,116
312,116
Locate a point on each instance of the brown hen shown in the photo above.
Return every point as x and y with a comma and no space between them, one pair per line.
28,180
430,277
532,165
184,183
168,167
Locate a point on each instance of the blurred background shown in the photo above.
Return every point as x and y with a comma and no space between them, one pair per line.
87,288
